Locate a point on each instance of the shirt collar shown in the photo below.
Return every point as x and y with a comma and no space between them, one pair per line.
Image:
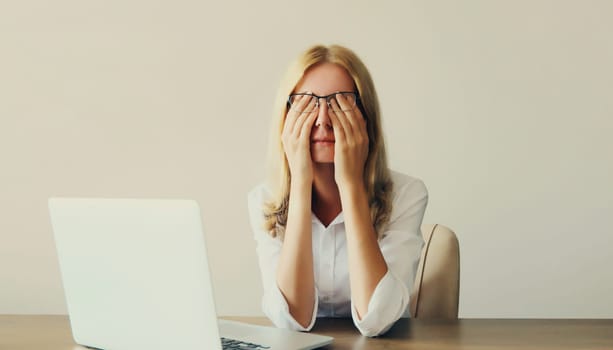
339,219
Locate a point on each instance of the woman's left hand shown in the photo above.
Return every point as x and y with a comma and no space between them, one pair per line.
351,142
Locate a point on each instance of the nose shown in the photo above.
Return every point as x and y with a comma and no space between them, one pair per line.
323,119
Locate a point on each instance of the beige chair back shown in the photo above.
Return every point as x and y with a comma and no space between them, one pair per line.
436,291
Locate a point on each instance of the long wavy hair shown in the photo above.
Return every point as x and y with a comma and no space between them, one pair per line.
377,179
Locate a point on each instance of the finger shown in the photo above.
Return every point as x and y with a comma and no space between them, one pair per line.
342,101
343,120
291,116
307,126
337,127
354,120
299,104
354,114
305,104
303,118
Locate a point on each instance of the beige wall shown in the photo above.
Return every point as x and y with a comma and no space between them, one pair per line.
503,108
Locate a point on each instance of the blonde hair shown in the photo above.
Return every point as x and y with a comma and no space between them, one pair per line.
377,177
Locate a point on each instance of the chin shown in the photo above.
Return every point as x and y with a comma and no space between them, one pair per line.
322,157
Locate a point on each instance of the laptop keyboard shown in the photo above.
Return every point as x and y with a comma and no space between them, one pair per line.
231,344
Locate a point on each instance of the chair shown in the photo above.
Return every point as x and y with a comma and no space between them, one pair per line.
436,290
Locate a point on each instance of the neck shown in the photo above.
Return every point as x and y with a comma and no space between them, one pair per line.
326,198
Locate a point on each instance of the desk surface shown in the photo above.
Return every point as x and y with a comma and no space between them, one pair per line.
25,332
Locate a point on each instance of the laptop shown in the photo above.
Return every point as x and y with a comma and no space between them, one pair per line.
136,276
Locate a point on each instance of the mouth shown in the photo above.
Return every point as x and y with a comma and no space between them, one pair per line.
322,141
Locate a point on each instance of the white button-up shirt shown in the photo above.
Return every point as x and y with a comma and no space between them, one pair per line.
401,247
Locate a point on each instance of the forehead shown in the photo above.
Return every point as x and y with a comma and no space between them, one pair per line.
325,78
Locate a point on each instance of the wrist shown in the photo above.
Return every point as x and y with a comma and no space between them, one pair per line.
351,188
301,184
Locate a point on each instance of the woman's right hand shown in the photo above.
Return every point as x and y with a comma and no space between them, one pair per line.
296,138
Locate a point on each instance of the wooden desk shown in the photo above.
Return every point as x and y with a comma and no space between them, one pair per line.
53,333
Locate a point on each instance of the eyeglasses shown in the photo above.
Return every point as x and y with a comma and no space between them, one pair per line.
296,101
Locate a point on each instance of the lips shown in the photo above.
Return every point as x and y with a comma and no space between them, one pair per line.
322,140
325,138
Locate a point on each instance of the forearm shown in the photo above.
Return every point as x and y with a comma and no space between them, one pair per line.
295,276
366,264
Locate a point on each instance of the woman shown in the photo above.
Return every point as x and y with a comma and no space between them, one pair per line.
337,232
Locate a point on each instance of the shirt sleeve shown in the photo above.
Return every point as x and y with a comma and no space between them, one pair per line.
401,247
274,305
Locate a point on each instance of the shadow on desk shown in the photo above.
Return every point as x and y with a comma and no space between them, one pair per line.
400,336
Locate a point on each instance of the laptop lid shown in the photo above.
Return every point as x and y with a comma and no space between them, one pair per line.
135,273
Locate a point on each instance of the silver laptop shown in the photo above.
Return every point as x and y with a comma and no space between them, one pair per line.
136,276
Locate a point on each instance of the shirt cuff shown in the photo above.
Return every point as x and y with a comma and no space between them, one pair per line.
276,309
387,304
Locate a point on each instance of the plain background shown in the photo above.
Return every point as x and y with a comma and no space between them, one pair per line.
503,108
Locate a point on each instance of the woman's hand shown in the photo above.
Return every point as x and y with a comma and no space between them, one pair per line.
296,138
351,142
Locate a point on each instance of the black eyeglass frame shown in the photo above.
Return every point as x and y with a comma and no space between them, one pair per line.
326,97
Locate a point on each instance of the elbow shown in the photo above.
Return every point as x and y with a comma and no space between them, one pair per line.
286,320
373,325
374,332
380,319
303,319
370,333
278,312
